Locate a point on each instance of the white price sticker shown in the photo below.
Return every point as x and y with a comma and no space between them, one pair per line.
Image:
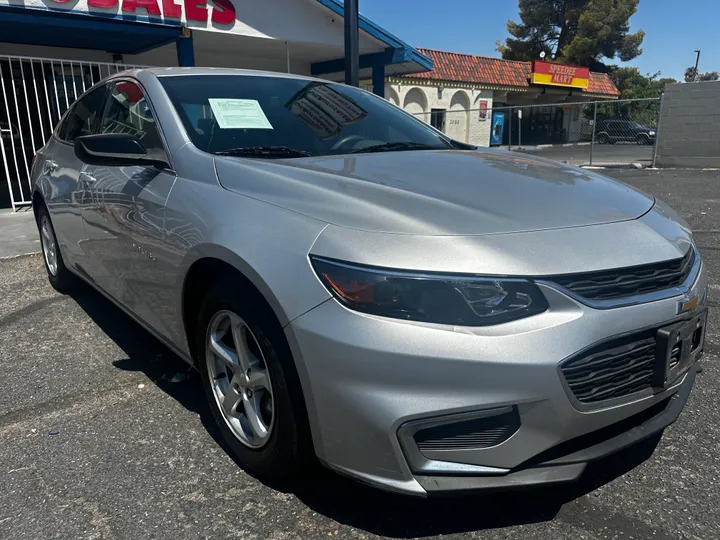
239,114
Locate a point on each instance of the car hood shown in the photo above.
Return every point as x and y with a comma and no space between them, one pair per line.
443,192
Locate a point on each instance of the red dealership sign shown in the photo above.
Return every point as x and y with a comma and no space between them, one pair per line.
223,11
556,74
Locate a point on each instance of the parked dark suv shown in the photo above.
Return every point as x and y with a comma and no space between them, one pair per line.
612,131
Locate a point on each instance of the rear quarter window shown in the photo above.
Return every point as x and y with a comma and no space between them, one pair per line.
83,117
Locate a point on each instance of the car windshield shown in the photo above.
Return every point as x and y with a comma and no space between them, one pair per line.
277,117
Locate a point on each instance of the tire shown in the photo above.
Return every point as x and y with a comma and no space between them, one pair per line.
602,138
643,139
286,448
59,276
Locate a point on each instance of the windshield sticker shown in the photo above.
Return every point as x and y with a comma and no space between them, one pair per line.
239,114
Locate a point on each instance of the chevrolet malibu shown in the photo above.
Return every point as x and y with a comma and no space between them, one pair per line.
418,314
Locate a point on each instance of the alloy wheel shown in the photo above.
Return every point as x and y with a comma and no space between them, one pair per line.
240,379
49,247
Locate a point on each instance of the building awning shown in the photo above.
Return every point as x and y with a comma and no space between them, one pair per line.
398,58
56,29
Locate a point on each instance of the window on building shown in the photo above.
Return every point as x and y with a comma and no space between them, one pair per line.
84,117
437,119
127,111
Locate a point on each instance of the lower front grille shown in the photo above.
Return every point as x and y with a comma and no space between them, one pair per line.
469,434
614,369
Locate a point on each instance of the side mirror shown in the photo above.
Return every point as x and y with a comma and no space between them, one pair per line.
114,150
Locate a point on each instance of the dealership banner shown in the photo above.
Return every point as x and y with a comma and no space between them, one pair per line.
294,21
555,74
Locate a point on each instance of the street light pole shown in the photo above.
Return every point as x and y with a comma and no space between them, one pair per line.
352,45
697,61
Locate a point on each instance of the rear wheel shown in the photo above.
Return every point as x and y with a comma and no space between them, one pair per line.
250,382
59,276
602,138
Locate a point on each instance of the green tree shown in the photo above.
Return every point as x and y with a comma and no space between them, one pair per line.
582,32
633,85
707,76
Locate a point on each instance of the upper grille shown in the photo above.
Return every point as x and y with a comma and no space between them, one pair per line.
469,434
630,281
614,369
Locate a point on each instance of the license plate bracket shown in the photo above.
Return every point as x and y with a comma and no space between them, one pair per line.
677,347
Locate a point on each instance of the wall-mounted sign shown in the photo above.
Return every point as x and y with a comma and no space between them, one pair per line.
498,126
482,115
294,21
555,74
219,11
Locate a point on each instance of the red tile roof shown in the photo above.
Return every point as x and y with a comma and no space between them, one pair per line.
495,71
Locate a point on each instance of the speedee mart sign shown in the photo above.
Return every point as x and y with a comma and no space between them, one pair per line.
559,74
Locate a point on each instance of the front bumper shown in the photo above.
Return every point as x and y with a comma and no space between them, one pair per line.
566,462
367,377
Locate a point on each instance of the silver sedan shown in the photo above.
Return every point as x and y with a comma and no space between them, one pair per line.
417,313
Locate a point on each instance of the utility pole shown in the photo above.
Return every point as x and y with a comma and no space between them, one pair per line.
697,61
352,45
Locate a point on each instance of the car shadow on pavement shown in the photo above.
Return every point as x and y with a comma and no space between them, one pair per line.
144,352
342,499
398,516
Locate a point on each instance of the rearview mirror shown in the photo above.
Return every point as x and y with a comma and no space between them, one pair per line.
114,150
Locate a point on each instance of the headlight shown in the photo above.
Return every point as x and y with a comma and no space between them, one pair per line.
446,299
651,133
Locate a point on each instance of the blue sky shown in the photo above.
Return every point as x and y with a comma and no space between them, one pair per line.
673,29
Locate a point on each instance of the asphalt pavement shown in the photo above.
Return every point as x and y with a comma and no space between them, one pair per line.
18,232
104,435
600,155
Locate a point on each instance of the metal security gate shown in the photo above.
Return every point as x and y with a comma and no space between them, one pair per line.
34,94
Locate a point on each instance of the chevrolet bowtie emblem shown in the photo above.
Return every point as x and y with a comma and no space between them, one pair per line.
689,303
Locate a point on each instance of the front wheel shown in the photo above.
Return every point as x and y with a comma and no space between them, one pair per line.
250,382
59,276
602,138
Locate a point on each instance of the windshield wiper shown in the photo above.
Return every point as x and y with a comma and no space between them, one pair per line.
264,152
395,147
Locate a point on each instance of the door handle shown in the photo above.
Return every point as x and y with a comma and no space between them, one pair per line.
49,166
87,178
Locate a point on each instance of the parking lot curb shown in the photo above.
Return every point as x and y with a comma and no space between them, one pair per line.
17,256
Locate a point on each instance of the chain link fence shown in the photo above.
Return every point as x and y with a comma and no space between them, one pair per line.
601,133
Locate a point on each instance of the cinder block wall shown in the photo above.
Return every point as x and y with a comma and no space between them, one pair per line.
689,132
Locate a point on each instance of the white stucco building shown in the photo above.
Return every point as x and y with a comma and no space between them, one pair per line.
461,92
